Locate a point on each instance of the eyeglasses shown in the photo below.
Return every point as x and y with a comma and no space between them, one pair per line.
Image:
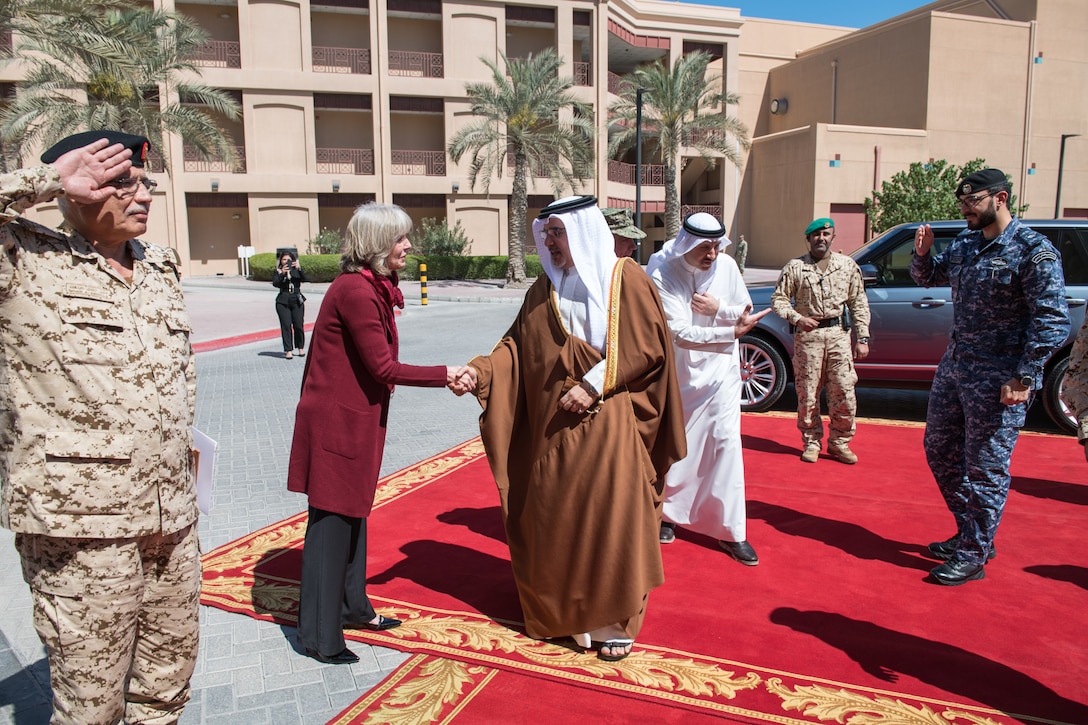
970,202
555,232
129,184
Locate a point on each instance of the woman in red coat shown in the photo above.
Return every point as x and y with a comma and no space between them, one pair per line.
340,423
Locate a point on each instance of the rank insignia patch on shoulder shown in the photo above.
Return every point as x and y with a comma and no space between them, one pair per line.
1044,256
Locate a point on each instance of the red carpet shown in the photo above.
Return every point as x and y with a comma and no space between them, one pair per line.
837,624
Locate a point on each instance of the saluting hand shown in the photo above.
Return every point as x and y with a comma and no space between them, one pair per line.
923,240
85,172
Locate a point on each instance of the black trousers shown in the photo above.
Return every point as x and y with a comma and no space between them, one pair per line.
333,588
292,314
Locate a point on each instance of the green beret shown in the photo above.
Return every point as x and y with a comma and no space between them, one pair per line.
818,224
139,145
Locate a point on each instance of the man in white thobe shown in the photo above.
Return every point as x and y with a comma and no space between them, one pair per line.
707,306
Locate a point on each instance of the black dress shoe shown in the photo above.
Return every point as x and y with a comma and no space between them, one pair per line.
954,573
343,657
944,550
668,533
742,551
383,624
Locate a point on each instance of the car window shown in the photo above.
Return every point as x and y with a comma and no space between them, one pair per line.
1070,243
893,269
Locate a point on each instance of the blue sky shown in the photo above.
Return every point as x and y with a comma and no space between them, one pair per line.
849,13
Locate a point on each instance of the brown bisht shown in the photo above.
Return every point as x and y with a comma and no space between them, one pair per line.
581,494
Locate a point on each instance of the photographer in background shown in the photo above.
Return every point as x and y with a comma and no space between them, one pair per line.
290,304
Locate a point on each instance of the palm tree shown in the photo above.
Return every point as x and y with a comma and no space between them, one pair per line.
681,107
109,65
520,115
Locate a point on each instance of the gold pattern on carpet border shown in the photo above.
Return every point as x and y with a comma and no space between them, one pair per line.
439,685
853,708
645,669
429,471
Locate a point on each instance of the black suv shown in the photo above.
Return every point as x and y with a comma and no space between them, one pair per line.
910,324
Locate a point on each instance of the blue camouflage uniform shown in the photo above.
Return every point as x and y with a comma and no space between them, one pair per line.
1009,315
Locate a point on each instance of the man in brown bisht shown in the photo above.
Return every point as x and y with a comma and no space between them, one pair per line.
582,419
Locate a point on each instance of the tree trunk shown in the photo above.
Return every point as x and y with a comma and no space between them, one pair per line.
672,199
519,205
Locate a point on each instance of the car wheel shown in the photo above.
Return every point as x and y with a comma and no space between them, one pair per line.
1058,411
762,374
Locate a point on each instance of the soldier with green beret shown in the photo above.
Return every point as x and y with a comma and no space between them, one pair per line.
815,293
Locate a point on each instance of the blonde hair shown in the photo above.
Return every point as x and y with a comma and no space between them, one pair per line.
370,235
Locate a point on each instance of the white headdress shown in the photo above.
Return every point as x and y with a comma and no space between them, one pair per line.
591,248
698,228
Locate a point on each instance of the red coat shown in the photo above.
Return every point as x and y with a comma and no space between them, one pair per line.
336,453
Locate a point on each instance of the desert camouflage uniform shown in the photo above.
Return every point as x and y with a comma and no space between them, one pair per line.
97,390
1009,315
824,356
1075,387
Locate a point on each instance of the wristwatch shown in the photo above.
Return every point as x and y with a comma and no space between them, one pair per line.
863,340
1028,381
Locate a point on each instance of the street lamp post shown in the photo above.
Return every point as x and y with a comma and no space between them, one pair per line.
1061,168
638,169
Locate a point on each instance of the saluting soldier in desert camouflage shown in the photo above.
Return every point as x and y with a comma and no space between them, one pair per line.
814,294
97,393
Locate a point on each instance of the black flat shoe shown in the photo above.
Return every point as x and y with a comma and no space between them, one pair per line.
742,551
944,550
383,624
343,657
667,534
954,573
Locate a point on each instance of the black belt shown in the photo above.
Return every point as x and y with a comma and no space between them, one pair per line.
830,322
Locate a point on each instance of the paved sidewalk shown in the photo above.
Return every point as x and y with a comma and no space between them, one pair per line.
248,671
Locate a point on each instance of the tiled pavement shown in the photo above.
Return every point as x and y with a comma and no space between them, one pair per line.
248,671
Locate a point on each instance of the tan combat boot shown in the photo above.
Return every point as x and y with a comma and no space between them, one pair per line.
811,453
842,453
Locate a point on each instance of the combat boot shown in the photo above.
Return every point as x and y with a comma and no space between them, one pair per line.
843,454
811,453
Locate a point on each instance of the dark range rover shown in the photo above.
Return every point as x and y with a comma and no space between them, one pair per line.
910,324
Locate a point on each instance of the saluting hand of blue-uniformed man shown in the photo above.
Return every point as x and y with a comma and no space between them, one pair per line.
1013,391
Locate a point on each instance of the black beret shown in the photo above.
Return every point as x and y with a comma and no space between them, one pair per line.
562,206
138,144
982,181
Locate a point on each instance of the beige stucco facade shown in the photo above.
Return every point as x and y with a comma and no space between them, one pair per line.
354,100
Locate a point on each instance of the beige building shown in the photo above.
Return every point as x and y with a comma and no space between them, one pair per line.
346,101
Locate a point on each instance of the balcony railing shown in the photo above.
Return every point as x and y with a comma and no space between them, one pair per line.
418,163
652,174
219,54
415,64
617,84
705,137
583,73
345,161
538,172
341,60
714,210
192,161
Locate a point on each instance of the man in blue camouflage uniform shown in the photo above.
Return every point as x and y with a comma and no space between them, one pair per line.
1009,315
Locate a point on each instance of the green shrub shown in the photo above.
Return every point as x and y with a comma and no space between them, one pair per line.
435,238
326,267
328,241
318,267
490,267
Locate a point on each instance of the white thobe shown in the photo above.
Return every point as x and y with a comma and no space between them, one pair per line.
705,491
